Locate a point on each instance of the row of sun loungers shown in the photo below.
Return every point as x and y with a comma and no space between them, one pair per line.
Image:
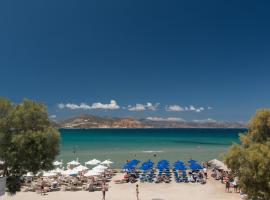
66,183
162,173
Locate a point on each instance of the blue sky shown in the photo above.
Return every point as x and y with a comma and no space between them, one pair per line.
175,55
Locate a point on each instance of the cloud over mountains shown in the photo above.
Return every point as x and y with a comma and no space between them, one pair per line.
143,107
83,106
136,107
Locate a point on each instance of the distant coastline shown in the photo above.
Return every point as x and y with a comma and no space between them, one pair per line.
97,122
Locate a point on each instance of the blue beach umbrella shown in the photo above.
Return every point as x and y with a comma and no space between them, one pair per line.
179,162
180,167
163,164
192,161
126,166
147,165
195,166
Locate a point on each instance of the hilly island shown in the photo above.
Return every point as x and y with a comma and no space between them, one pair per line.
92,121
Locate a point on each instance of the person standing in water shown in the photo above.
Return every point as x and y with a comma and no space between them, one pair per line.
137,191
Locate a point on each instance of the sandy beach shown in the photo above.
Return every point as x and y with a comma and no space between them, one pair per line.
212,190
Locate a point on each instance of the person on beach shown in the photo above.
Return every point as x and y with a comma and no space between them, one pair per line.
103,189
235,184
227,185
137,191
205,172
42,187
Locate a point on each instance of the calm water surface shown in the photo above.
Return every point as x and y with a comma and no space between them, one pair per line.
120,145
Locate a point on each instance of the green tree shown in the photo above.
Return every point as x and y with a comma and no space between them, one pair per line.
250,160
28,142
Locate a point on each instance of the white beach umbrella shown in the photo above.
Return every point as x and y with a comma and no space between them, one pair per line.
92,173
219,164
106,162
73,162
92,162
100,168
57,163
80,168
57,170
29,174
49,174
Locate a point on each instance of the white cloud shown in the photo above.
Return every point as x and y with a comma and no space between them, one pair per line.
209,108
137,107
61,106
143,107
174,108
177,108
72,106
170,119
204,120
192,108
151,106
111,106
52,116
199,109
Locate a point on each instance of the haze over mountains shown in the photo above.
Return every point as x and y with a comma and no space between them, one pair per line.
91,121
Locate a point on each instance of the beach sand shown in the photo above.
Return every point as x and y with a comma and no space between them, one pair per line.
212,190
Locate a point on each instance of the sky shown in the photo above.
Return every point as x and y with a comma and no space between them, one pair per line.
191,60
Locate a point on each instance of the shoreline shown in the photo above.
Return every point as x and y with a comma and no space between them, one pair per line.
124,128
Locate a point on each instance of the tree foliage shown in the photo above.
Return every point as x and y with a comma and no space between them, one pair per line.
250,160
28,142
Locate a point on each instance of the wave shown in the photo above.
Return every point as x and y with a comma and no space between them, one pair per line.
152,151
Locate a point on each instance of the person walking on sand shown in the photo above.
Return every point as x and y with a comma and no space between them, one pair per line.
103,189
137,191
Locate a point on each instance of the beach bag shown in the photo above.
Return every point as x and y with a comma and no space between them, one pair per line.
2,185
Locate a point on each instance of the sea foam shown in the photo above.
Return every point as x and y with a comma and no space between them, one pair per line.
152,151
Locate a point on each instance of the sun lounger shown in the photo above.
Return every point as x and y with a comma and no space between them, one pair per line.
120,181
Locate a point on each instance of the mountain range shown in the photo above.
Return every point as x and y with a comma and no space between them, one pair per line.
91,121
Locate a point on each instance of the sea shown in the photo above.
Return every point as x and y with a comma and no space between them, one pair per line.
121,145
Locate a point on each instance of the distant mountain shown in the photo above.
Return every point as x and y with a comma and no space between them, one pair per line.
174,123
91,121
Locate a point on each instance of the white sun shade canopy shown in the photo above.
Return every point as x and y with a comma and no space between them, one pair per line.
219,164
100,168
73,162
49,174
29,174
106,162
93,162
80,168
57,163
57,170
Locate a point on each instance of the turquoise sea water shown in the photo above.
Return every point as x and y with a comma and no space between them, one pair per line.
120,145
